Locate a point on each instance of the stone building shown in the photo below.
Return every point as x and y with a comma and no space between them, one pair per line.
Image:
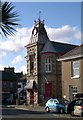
43,70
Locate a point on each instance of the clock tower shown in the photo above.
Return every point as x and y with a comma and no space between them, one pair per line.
43,69
37,41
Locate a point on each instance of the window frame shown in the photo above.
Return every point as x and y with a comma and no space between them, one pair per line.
75,69
31,58
48,64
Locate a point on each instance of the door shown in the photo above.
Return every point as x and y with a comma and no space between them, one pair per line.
48,90
32,97
72,91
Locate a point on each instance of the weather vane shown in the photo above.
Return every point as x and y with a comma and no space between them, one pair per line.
39,14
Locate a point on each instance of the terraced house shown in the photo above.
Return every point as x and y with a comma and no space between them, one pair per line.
9,86
72,72
43,69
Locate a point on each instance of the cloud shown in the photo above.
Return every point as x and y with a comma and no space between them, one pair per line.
2,54
17,59
2,66
24,69
16,43
66,34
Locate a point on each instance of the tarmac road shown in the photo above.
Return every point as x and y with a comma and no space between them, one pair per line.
32,113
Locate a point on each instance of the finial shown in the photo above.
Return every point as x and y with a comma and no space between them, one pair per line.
39,14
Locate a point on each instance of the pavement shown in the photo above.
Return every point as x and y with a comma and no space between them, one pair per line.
30,107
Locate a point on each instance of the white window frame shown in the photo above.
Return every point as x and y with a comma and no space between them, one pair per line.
48,64
74,91
76,69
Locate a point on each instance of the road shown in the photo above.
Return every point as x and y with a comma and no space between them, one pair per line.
9,113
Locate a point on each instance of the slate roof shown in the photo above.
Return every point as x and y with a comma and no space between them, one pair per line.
39,35
74,53
8,76
62,47
48,47
19,74
57,47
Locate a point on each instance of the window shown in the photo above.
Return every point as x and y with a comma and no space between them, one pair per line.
56,101
19,86
72,91
31,63
48,64
11,85
51,101
5,85
74,88
75,69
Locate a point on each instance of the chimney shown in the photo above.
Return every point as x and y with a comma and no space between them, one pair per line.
9,69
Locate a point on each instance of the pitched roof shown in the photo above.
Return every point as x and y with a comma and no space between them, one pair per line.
48,47
8,76
74,53
19,74
39,33
63,47
57,47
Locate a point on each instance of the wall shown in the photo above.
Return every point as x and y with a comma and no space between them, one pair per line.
68,80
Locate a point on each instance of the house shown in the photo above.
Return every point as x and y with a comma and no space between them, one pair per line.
43,69
9,86
12,85
72,72
21,85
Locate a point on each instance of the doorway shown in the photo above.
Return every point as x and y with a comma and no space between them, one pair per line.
32,97
48,90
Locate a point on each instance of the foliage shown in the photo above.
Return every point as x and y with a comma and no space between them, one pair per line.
8,18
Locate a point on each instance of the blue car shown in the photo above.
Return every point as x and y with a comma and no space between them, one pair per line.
56,105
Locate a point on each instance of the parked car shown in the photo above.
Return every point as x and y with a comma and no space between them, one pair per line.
78,110
71,108
79,95
56,105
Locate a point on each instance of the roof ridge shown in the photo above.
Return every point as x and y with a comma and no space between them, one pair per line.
73,52
64,43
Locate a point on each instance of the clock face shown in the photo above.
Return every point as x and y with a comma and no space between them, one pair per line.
35,30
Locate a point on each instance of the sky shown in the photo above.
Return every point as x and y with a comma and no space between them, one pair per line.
62,23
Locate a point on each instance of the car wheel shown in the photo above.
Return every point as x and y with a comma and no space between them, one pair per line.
82,114
72,113
61,110
47,109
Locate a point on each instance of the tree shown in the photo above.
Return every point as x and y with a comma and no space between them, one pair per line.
8,18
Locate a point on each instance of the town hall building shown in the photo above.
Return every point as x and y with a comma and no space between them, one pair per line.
43,69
